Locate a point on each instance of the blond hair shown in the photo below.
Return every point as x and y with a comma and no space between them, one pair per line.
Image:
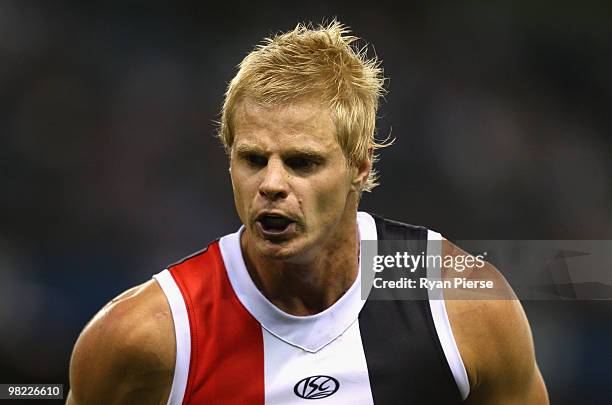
318,62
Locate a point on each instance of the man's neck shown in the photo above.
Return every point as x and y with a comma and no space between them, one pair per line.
311,287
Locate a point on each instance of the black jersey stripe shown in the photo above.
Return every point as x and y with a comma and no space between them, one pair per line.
405,360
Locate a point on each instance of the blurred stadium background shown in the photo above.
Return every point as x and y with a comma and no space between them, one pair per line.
109,168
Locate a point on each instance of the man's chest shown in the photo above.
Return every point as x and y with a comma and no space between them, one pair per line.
335,374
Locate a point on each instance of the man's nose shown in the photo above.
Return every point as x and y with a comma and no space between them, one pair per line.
274,184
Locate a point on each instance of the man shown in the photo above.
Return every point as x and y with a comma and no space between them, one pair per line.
272,314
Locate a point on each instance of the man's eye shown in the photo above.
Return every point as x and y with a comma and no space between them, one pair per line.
256,160
302,164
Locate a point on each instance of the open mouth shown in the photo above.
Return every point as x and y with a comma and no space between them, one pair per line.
274,223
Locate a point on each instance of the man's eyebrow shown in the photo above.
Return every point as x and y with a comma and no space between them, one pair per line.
314,153
243,148
306,153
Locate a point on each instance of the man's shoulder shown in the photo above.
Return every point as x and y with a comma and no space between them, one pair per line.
129,343
479,317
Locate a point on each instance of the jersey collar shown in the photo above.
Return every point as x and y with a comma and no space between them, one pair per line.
310,333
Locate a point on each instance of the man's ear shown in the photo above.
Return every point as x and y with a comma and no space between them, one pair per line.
362,171
229,161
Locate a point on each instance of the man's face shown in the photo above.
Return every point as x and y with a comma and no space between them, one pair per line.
290,178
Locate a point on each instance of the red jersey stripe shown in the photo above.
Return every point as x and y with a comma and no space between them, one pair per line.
227,359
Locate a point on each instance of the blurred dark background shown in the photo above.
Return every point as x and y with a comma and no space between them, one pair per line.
110,171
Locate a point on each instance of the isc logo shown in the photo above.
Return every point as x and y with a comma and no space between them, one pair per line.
316,387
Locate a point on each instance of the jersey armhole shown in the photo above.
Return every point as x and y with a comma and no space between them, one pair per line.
182,334
440,319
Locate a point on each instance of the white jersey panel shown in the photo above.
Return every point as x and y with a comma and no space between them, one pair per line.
182,334
440,318
285,366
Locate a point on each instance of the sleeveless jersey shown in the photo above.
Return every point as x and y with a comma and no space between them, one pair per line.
233,346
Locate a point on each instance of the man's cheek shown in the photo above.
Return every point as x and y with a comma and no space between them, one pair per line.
329,204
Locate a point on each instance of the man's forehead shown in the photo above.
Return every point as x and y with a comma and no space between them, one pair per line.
300,113
302,122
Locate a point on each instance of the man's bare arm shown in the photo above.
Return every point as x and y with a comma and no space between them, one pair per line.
126,353
496,345
495,342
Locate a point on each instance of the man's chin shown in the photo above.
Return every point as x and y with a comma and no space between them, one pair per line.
277,251
292,250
